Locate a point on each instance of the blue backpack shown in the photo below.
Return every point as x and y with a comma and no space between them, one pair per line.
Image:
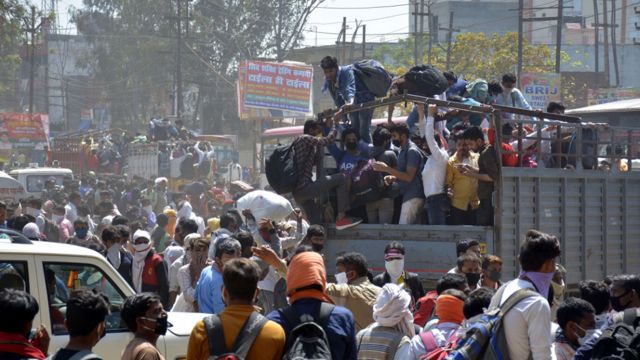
484,339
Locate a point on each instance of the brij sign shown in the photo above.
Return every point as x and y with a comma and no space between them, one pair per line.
541,89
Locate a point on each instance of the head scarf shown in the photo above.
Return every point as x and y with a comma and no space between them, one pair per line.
449,309
31,231
137,265
307,269
171,224
392,309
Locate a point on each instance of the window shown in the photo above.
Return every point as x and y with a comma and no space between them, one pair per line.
14,275
63,278
35,183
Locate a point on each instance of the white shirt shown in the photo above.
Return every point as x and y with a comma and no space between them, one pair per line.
71,212
435,169
527,326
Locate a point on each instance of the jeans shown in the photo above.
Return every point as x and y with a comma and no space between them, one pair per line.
361,122
410,212
462,217
306,196
437,208
380,212
484,214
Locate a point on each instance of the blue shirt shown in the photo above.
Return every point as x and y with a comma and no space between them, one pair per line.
345,161
459,88
209,291
344,90
410,157
341,331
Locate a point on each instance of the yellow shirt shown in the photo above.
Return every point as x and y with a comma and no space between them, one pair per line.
359,297
269,344
464,188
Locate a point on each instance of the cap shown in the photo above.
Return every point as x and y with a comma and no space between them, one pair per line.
141,234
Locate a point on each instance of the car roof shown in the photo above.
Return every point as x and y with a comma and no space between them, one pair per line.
44,171
47,248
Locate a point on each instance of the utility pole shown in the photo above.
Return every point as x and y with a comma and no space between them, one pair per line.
421,43
353,41
179,99
449,31
520,40
559,35
613,42
605,23
32,29
415,32
433,27
597,42
344,39
364,41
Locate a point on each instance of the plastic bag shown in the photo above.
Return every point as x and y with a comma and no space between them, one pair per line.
265,204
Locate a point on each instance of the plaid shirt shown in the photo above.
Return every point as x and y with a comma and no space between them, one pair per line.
307,148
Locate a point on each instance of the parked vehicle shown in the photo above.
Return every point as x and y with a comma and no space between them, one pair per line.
32,180
50,271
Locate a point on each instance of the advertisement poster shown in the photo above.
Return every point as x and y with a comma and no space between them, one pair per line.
23,129
540,89
603,96
277,86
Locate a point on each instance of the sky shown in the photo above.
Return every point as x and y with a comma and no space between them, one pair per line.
386,20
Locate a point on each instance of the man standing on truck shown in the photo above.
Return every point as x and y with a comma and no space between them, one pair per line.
308,150
487,173
346,89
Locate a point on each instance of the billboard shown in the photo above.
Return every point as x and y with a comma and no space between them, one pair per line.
276,86
540,89
24,129
603,96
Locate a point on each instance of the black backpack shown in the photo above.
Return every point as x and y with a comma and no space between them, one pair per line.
373,76
280,169
244,341
425,80
307,340
619,341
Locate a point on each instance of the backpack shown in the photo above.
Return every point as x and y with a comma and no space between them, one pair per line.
424,309
619,341
307,340
366,183
373,75
280,169
425,80
485,338
51,231
435,352
243,343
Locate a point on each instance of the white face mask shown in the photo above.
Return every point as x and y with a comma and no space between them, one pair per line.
587,335
113,254
394,268
148,209
57,218
32,211
341,278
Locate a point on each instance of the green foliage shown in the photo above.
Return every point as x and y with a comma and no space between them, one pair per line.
12,17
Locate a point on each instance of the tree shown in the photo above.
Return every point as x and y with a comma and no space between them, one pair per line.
12,36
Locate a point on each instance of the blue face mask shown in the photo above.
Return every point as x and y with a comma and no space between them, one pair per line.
81,233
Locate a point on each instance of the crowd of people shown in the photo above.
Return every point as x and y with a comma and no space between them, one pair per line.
438,168
268,299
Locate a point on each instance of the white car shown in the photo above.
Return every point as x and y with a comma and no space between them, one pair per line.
50,271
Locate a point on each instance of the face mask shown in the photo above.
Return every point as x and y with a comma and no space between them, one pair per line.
494,275
396,143
82,233
394,268
113,254
542,281
351,145
161,325
57,218
317,247
617,305
141,247
558,290
31,211
587,335
472,279
341,278
148,209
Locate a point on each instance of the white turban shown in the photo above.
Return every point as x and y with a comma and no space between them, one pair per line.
392,309
186,211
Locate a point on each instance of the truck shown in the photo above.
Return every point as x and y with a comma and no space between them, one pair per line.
29,182
592,210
